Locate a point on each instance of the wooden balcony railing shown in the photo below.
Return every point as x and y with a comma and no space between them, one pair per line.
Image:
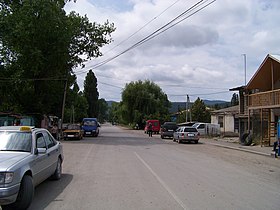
268,99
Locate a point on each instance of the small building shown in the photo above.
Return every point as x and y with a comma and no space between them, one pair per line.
228,119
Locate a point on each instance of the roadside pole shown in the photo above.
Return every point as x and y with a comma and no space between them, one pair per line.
63,107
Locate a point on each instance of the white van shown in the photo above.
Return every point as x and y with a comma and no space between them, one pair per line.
201,128
208,129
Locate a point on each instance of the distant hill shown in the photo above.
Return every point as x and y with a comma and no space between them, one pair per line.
110,103
182,105
175,106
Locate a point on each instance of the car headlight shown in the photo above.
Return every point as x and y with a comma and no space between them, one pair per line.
6,177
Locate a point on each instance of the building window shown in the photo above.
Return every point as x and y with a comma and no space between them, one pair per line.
236,125
221,121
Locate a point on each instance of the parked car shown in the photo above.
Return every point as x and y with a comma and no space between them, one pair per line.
28,156
73,131
155,126
186,124
167,129
90,126
186,134
200,127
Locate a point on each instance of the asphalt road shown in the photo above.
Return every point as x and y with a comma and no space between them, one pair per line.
124,170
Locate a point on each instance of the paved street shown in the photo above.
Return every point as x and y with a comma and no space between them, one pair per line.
123,170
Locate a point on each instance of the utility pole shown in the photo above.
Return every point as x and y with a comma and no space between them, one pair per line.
187,108
190,109
73,112
245,64
63,107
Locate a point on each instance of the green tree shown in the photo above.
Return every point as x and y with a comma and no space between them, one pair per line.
142,100
91,94
200,112
40,45
234,99
103,110
76,105
114,112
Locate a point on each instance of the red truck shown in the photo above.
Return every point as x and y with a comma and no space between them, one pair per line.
155,126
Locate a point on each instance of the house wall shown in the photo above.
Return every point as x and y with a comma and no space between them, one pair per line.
228,123
214,119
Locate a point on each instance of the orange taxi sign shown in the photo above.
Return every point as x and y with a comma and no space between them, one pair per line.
25,128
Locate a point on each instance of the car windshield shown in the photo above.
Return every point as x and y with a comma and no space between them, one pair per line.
15,141
73,127
90,123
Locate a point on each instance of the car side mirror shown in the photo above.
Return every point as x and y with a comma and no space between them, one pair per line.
40,151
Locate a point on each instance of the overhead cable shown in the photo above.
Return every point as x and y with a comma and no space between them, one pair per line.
183,16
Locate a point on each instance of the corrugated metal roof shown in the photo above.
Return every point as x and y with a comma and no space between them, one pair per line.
232,110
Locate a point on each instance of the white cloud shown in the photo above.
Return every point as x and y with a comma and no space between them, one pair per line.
200,56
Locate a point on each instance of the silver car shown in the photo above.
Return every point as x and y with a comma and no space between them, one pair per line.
28,156
186,134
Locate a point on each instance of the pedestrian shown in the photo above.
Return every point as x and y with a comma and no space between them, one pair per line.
275,144
150,130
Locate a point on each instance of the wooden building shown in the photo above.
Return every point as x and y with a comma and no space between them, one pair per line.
259,102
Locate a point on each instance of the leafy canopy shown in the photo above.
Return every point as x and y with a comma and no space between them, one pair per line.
142,100
40,45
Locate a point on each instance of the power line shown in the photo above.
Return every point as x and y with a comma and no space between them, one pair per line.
142,41
149,22
103,83
194,9
30,79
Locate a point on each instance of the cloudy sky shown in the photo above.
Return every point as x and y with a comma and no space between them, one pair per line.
203,54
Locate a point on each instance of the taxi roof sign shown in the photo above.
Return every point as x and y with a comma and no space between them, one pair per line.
25,128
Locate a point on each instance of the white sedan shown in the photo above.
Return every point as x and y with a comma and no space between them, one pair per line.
186,134
28,156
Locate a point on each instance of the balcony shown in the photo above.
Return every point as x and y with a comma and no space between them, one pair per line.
268,99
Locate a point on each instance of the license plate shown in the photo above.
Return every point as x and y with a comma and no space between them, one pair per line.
70,135
170,130
88,132
190,134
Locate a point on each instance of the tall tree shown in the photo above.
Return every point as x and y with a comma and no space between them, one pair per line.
143,99
76,106
40,45
102,110
199,111
234,99
91,94
113,112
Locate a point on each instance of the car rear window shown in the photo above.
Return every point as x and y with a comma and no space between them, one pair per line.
190,130
172,126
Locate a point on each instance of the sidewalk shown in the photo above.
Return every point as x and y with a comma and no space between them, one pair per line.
233,143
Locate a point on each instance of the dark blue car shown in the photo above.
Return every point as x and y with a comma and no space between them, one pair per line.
90,126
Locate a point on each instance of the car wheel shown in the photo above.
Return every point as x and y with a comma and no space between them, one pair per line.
25,195
196,141
179,141
162,136
58,171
